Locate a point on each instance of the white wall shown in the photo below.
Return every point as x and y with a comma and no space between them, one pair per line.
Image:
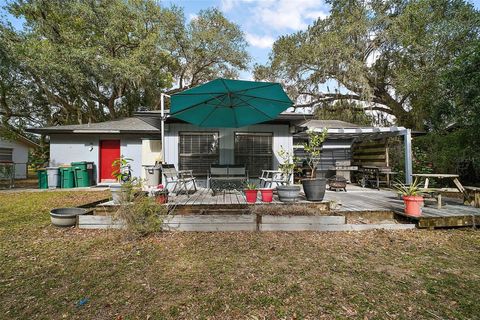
281,137
66,148
19,156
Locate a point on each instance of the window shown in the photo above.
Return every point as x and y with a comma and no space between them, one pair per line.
255,151
197,151
6,154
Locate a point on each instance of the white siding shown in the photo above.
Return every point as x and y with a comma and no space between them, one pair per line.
66,148
281,137
19,156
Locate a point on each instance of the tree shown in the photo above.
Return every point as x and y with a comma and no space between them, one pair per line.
347,111
388,55
206,48
88,61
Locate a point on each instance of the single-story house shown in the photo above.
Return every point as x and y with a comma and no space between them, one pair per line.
16,150
186,146
196,148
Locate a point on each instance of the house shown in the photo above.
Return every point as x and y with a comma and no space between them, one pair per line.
195,148
15,150
102,143
186,146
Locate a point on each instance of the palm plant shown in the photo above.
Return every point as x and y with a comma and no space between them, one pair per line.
406,190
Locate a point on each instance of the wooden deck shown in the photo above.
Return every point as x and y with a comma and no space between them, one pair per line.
356,200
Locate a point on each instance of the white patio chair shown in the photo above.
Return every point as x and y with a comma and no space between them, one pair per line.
181,179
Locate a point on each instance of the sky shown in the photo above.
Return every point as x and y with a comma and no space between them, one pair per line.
262,21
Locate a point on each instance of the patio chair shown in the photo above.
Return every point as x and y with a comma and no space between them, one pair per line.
271,177
181,179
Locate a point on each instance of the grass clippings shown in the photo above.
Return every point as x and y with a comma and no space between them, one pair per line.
53,273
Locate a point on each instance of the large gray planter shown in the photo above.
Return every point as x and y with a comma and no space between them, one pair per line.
314,189
66,217
288,193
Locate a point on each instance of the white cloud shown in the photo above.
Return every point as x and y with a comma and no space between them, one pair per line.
281,14
259,41
192,16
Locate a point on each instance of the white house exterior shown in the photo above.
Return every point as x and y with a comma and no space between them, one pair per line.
16,151
135,139
139,139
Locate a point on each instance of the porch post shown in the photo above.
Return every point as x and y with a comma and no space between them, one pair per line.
407,139
162,125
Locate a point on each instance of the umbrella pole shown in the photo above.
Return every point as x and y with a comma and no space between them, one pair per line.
162,126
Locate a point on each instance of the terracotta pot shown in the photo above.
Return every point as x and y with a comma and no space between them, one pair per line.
267,194
413,205
251,195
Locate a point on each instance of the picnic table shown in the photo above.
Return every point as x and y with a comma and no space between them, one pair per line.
436,192
428,176
370,175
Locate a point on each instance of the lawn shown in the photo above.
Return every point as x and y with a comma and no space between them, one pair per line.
51,273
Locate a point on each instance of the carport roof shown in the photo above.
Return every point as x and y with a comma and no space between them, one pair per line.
344,130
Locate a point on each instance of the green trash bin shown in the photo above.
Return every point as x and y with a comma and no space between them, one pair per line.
67,177
83,173
42,179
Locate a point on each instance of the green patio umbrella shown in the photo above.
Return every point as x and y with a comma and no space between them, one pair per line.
230,103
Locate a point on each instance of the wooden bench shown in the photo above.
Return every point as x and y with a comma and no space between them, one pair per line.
471,196
226,177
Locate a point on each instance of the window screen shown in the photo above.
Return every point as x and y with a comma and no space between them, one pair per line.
6,154
255,151
197,151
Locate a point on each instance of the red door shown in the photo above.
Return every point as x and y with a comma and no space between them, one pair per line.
109,152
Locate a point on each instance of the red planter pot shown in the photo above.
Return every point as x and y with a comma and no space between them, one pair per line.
251,195
161,197
267,195
413,205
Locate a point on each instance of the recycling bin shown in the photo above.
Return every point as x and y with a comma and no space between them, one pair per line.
42,179
83,173
67,177
53,176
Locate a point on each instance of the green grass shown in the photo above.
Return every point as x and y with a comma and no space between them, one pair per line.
46,271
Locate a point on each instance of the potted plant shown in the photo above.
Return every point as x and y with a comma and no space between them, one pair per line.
412,196
287,192
314,187
122,172
161,194
267,194
251,192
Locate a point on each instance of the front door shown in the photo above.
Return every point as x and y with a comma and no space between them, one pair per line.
109,152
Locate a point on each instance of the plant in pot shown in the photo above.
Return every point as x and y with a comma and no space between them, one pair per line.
161,194
123,174
267,194
313,186
287,192
412,196
251,191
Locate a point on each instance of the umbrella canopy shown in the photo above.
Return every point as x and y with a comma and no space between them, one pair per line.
230,103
